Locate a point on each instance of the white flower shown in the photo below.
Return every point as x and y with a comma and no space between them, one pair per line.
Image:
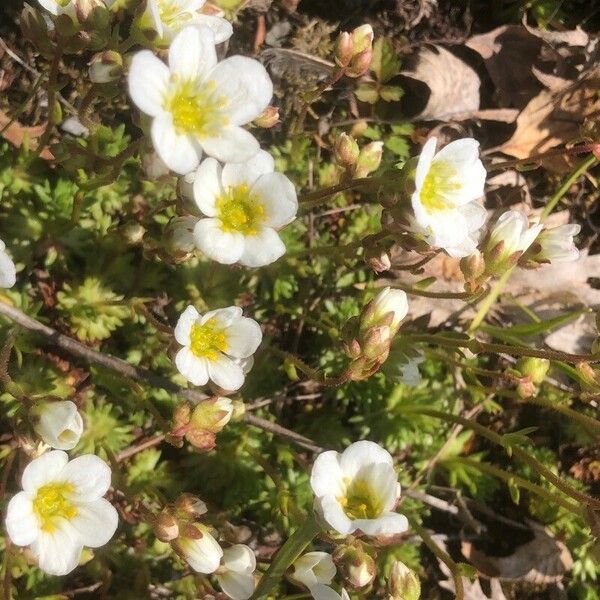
8,272
203,553
323,592
514,234
198,105
216,346
358,490
245,204
557,244
61,509
235,576
446,184
166,18
314,567
388,301
409,370
59,424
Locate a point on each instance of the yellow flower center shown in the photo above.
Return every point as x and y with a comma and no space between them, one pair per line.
208,340
361,501
240,210
173,13
52,502
439,182
196,109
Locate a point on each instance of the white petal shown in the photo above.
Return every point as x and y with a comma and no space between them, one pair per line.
324,592
333,513
278,196
390,523
184,325
95,522
238,586
8,272
221,27
326,477
181,153
192,53
223,246
244,337
207,186
224,316
43,469
424,162
382,478
262,249
226,373
239,558
58,552
203,555
21,523
362,454
248,172
465,150
148,81
313,568
60,425
192,367
246,85
90,476
233,144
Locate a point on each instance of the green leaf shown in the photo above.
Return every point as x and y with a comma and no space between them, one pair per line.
385,63
367,92
391,93
398,145
514,490
526,329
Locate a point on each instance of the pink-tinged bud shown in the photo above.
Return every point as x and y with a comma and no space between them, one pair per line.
192,531
360,64
376,342
377,311
377,258
268,118
344,49
352,348
345,150
191,505
535,368
526,388
201,439
166,527
212,415
84,9
181,415
369,159
362,38
403,583
106,67
355,564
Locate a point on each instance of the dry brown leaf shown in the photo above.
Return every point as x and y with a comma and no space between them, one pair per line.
575,37
16,133
453,85
552,119
542,560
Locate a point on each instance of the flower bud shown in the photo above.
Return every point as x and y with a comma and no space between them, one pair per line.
369,159
355,564
377,258
212,415
132,233
389,307
362,39
403,583
179,237
535,368
473,267
360,64
376,343
166,527
345,151
268,118
344,49
84,9
201,438
190,505
59,424
106,67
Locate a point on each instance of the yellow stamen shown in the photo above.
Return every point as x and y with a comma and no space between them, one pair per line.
439,182
208,340
52,502
361,501
240,210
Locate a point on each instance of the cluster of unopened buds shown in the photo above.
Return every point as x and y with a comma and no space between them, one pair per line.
196,110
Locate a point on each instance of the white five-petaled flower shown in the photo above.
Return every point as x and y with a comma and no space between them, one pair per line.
556,244
198,104
388,302
245,204
8,272
59,424
236,573
356,491
447,185
166,18
313,568
61,509
217,346
201,552
324,592
510,234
